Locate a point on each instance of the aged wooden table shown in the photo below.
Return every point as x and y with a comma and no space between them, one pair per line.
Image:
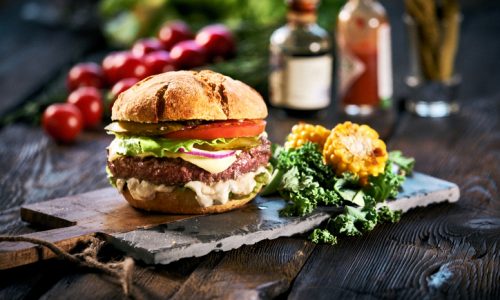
446,250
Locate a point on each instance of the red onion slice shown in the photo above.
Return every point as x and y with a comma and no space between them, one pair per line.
208,154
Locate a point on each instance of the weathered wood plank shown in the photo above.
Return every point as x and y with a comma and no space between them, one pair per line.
29,282
264,270
31,55
445,250
37,169
429,253
149,282
79,216
477,176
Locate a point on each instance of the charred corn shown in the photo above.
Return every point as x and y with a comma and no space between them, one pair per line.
357,149
303,132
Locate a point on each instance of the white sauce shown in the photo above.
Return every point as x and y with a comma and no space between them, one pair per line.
142,190
218,193
207,195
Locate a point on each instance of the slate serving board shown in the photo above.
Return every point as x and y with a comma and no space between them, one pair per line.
161,239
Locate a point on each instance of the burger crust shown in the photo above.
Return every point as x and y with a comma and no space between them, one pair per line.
183,201
188,95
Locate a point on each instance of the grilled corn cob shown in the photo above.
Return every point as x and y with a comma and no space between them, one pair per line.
303,132
357,149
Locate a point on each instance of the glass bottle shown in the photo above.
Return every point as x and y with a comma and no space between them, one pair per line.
301,61
364,51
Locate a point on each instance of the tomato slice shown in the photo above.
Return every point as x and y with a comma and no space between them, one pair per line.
220,129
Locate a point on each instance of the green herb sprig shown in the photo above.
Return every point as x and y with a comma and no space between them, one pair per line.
303,179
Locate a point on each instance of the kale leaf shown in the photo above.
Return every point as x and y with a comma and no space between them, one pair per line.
385,185
307,182
405,164
322,236
302,178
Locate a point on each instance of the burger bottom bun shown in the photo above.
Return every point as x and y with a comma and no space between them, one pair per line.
183,201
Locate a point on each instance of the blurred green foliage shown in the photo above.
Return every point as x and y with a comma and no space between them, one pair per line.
253,21
127,20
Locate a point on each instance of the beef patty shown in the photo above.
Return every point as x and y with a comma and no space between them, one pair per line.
176,171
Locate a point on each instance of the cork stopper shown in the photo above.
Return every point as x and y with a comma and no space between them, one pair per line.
302,6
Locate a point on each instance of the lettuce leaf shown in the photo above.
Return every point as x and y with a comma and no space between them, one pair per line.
142,145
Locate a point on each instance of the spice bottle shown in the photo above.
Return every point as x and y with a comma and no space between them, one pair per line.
364,51
301,61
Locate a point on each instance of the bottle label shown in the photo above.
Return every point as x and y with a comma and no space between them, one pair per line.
384,70
365,72
276,78
302,82
349,70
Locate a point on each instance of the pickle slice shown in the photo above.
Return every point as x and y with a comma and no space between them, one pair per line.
133,128
234,143
158,129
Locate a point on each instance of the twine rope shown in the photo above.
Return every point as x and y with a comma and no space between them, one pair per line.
122,270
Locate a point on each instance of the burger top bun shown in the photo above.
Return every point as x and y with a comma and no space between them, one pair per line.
188,95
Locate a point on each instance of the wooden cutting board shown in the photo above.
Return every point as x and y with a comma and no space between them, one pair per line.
160,238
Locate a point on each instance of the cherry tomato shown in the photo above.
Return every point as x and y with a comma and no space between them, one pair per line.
188,54
85,74
119,65
222,129
62,121
122,86
158,62
145,46
89,102
217,40
174,32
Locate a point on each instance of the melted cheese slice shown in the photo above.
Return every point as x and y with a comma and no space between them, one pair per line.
212,165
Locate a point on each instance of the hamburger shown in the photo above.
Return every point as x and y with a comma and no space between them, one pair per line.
189,142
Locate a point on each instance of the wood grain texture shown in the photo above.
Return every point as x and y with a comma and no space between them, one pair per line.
264,270
430,253
103,210
80,216
150,282
37,169
18,254
447,250
440,252
444,251
31,54
29,282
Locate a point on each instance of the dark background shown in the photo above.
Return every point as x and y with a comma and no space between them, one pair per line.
32,55
455,243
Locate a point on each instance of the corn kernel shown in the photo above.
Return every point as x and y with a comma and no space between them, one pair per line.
303,132
356,149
